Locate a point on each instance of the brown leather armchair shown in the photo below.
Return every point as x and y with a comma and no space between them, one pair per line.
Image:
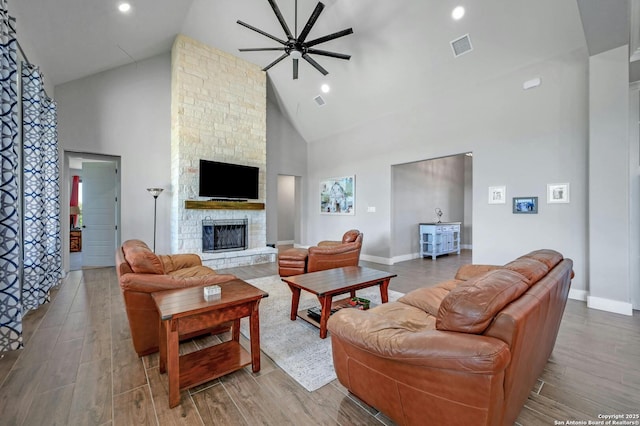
142,272
325,255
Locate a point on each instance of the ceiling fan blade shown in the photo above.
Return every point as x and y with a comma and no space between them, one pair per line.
330,54
259,31
330,37
315,64
261,49
284,25
295,69
312,20
284,55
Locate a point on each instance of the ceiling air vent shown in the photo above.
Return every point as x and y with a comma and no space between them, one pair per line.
461,45
319,100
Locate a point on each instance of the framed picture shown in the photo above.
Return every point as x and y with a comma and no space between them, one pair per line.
338,195
558,193
497,195
525,205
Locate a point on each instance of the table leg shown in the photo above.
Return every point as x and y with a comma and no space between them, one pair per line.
324,315
295,300
254,325
384,290
173,365
163,347
235,332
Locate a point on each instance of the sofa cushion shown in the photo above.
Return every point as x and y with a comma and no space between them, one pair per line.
141,259
466,272
549,257
470,308
531,269
193,271
429,298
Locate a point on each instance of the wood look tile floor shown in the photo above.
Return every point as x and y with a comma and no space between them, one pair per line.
78,367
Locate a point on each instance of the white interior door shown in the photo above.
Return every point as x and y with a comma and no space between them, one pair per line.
99,191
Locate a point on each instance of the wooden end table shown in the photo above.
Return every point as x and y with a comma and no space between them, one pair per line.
331,282
185,311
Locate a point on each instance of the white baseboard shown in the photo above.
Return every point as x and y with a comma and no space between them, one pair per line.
609,305
466,246
285,243
376,259
578,295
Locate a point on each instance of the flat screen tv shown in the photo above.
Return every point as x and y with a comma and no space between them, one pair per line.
228,181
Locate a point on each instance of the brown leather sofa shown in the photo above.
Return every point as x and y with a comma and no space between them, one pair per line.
324,255
465,352
142,272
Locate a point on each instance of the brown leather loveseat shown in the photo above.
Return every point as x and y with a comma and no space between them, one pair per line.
324,255
465,352
142,272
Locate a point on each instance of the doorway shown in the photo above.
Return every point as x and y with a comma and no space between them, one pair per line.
289,210
92,238
428,191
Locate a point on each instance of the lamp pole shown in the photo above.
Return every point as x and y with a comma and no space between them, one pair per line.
155,192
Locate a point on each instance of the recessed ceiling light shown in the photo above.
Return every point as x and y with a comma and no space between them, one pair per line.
325,88
457,13
124,7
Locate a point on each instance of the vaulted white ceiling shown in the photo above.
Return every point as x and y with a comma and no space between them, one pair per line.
400,49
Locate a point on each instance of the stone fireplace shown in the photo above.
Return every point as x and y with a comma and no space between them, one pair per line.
218,112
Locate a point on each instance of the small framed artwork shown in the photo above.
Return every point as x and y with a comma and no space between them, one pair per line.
525,205
338,196
558,193
497,195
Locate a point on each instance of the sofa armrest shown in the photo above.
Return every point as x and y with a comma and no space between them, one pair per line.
425,348
173,262
466,272
150,283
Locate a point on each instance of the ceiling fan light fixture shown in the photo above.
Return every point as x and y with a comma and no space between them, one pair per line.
296,54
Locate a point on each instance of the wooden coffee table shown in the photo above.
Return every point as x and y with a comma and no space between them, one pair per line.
332,282
185,311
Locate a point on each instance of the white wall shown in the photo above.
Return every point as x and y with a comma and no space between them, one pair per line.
609,181
521,139
286,155
634,181
126,112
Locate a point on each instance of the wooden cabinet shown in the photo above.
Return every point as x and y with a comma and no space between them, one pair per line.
439,238
75,241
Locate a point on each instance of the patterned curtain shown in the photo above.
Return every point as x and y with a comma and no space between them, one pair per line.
10,297
41,183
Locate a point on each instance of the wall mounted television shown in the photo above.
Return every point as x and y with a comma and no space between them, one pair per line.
227,181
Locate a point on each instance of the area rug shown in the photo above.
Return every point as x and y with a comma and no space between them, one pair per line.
296,346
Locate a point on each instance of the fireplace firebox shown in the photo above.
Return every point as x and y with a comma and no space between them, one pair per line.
224,235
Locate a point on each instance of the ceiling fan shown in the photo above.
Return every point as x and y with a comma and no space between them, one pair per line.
297,46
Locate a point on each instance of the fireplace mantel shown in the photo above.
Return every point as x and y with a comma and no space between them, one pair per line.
222,205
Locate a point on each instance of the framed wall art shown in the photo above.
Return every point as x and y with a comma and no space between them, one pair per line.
558,193
338,195
497,195
525,205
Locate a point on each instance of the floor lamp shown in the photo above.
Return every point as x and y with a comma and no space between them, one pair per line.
155,192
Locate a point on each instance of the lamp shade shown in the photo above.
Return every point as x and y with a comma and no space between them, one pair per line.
155,191
74,210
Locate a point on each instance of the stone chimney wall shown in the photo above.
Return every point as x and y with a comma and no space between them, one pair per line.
218,112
